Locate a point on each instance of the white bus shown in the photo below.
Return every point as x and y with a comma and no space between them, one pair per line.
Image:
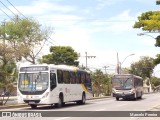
127,86
53,84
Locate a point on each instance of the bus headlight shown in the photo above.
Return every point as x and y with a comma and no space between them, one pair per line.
114,90
132,91
45,95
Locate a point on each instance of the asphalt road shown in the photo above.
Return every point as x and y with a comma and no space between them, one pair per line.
107,108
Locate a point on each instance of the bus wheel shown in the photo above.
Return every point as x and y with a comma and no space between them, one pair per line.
33,106
141,96
135,96
117,98
60,102
83,98
83,101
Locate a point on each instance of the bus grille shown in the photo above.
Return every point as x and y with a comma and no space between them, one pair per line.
28,101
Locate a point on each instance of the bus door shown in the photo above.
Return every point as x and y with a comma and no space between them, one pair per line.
53,82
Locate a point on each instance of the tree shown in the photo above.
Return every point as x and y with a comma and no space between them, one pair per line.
24,36
61,55
8,75
156,81
101,83
144,67
150,22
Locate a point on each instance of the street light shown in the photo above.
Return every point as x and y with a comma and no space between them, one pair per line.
119,64
141,34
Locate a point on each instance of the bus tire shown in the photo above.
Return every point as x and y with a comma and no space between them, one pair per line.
135,96
83,101
117,98
33,106
83,98
60,101
140,97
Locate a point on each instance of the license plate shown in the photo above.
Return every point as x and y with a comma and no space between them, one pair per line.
31,102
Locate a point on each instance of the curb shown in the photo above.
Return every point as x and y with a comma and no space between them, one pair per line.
13,106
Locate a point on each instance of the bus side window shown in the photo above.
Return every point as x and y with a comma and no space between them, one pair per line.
82,78
135,82
77,78
66,77
52,80
60,76
72,77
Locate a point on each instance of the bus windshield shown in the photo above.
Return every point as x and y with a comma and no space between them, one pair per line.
33,81
122,83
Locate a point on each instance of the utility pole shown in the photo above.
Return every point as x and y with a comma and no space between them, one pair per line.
118,71
105,68
88,57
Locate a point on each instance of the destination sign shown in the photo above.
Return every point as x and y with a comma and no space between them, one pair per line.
123,76
34,68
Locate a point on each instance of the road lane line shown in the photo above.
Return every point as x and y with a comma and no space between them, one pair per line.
121,105
62,118
101,109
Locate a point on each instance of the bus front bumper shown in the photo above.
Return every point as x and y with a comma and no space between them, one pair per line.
129,95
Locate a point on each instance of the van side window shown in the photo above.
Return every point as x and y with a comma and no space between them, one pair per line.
60,76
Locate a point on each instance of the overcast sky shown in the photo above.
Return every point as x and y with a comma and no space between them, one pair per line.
99,27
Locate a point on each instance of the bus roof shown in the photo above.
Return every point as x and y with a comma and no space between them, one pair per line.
53,66
128,75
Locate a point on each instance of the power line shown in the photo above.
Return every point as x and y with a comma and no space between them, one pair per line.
88,20
53,40
16,9
7,15
7,8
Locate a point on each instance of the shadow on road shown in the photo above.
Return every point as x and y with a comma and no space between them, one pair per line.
52,107
131,99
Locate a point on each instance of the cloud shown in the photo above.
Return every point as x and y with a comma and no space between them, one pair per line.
123,22
39,7
103,3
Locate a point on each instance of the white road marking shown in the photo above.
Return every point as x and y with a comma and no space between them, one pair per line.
101,109
121,105
62,118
